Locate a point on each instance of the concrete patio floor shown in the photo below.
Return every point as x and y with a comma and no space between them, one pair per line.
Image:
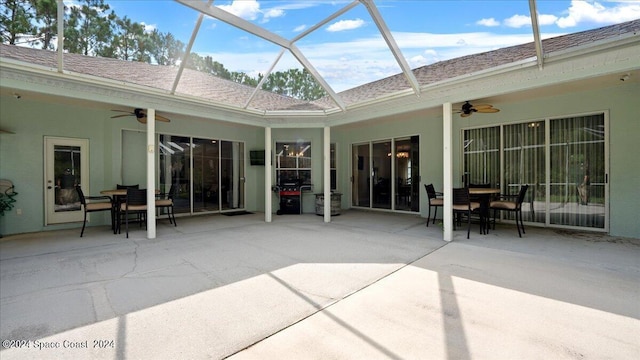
368,285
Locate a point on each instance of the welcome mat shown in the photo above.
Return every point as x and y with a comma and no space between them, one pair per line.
234,213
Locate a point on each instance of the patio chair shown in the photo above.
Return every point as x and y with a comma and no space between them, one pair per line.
165,201
93,204
513,205
462,205
434,201
135,203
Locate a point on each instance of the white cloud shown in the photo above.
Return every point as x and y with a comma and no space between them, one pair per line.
272,13
590,11
517,21
300,28
490,22
345,25
246,9
547,19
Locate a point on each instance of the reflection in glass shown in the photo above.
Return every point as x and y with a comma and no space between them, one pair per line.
293,162
67,170
360,186
232,175
381,175
175,160
205,175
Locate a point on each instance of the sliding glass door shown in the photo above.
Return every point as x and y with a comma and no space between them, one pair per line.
562,160
202,175
385,174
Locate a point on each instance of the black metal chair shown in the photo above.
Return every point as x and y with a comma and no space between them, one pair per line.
484,200
462,205
93,204
165,201
135,203
514,205
434,201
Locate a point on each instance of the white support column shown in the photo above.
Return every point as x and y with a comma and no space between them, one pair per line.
151,174
447,170
267,175
327,174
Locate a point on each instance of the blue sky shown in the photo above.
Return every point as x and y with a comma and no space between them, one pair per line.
349,51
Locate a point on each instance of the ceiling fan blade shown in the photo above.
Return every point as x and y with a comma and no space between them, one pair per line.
465,114
482,106
488,110
119,116
162,118
142,120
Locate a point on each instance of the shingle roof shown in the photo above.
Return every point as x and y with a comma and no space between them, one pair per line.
209,87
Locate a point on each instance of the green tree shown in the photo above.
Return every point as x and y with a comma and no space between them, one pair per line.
166,49
46,16
16,17
88,29
295,83
123,42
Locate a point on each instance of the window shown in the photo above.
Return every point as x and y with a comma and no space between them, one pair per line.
293,162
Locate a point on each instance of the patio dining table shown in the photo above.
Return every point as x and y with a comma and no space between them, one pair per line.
118,196
484,196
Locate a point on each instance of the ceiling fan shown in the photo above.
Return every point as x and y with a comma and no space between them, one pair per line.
140,115
468,109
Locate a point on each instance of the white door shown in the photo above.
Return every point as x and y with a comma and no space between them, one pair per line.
66,165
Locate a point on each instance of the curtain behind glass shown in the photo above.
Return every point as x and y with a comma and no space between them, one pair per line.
482,156
524,163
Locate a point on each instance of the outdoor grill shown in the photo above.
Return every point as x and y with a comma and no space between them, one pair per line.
290,194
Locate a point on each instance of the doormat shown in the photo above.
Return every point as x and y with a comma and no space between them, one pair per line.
234,213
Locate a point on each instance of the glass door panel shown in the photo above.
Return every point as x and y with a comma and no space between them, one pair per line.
577,189
381,175
404,176
205,175
361,181
232,175
482,156
524,163
175,174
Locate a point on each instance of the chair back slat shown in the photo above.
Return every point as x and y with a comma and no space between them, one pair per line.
136,186
136,196
461,196
431,191
523,192
483,186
